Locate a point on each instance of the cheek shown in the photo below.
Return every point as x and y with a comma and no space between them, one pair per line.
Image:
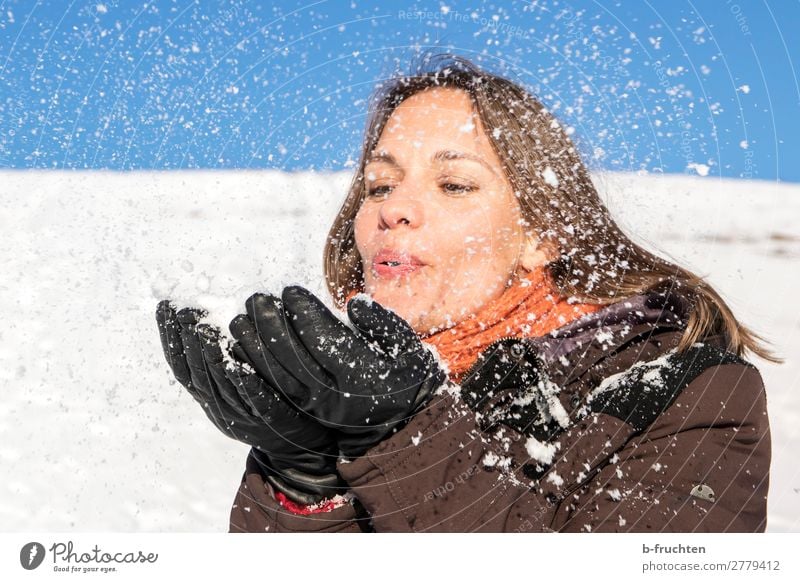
490,233
508,232
363,225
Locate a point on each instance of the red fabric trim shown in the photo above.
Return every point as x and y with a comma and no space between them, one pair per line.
324,506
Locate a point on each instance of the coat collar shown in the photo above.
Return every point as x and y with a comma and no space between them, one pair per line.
571,350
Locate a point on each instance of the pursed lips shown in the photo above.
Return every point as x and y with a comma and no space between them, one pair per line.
391,263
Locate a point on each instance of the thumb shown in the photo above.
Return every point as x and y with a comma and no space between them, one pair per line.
383,326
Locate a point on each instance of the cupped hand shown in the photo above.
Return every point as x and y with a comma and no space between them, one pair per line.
287,443
363,381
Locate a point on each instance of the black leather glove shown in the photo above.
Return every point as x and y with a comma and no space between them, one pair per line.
508,385
296,454
644,391
363,383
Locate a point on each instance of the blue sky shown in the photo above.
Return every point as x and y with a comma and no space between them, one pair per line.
696,87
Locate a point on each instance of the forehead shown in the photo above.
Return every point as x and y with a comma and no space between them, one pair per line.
445,98
434,110
443,113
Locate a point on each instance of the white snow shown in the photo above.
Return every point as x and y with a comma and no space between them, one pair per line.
554,478
490,459
539,451
550,177
653,376
94,435
467,127
701,169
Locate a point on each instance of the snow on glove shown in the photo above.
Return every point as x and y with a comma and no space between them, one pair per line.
508,385
362,382
297,455
643,392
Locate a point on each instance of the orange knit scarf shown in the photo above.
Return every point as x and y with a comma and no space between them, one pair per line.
530,307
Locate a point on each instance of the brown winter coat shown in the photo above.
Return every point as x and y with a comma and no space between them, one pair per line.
440,473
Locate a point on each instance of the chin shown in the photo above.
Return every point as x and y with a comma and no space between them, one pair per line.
397,302
403,305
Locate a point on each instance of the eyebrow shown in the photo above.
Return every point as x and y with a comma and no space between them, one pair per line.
440,156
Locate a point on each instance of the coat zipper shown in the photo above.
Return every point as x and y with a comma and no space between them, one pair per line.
474,365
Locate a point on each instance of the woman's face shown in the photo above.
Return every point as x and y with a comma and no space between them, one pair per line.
439,233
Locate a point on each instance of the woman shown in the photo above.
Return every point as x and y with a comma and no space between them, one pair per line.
512,361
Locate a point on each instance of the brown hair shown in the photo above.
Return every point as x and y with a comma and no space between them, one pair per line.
597,263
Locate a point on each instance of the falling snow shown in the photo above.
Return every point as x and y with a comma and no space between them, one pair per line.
259,90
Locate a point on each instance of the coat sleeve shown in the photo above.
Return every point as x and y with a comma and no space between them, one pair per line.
441,474
703,466
256,510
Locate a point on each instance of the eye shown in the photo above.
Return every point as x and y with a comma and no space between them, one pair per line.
456,188
376,191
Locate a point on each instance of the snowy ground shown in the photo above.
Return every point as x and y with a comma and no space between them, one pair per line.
94,437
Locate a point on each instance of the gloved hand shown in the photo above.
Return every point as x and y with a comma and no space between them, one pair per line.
296,454
363,383
508,385
643,392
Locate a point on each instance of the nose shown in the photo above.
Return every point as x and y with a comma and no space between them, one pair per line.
397,211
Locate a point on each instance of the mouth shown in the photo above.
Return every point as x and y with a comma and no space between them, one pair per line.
390,263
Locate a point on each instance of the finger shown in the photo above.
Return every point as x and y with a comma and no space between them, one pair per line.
329,341
266,402
215,364
262,399
201,379
306,438
221,404
391,332
279,339
238,353
254,393
169,331
266,365
190,315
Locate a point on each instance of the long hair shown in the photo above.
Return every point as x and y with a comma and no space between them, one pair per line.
596,261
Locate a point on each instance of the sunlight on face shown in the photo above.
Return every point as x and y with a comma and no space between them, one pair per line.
439,233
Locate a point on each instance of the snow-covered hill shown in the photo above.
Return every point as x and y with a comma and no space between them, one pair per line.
93,435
